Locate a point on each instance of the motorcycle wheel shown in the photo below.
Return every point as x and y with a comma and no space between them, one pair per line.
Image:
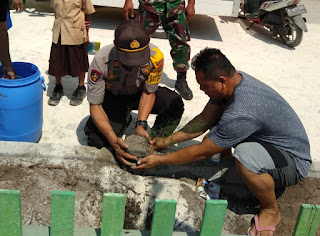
293,36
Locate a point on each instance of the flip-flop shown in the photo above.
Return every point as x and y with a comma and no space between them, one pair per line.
255,220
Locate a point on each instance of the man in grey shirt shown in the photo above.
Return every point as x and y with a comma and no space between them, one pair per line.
271,147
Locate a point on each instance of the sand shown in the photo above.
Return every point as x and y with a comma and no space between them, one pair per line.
38,169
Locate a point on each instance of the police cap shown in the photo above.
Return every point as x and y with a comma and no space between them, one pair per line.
132,41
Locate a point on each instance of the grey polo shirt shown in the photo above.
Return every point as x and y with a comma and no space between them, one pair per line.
107,73
256,110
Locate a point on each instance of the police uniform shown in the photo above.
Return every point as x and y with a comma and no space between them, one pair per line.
118,88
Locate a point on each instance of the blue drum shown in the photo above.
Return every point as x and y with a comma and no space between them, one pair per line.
21,104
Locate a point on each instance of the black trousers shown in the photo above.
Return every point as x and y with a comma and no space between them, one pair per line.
168,106
252,6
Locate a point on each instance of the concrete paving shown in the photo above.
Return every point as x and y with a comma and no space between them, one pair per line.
292,72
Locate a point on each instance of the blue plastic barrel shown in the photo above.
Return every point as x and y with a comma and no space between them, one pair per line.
21,106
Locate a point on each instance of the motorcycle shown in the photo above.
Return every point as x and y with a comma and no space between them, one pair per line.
282,18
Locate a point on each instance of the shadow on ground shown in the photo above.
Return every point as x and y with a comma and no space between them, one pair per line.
256,31
68,82
204,27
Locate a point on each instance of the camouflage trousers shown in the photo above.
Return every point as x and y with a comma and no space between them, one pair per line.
171,15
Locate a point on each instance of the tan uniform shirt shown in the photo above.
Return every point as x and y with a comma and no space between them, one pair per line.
107,73
69,21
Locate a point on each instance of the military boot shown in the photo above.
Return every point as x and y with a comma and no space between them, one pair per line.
254,9
182,86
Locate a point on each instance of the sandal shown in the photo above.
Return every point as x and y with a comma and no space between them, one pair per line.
255,221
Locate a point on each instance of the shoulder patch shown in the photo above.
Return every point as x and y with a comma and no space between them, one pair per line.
157,58
153,78
158,63
95,75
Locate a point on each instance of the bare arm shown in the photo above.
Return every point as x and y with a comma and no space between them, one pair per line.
145,106
128,9
18,5
197,126
7,68
183,156
87,25
101,120
190,10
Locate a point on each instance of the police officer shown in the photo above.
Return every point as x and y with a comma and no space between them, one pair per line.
124,77
174,17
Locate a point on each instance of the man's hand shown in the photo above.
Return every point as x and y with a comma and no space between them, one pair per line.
87,25
128,9
190,11
142,132
8,72
18,5
148,162
119,145
160,143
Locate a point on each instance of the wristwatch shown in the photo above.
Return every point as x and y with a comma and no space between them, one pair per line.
143,123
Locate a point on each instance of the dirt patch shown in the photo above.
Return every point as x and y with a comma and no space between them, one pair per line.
306,192
90,180
37,180
289,199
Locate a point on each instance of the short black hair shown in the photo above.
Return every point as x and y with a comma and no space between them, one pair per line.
213,64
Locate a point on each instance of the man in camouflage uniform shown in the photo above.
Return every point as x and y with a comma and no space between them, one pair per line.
173,16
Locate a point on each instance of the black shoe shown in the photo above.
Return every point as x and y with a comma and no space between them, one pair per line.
78,95
56,95
252,15
182,86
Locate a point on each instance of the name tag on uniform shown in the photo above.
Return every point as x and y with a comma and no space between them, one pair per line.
154,78
111,75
